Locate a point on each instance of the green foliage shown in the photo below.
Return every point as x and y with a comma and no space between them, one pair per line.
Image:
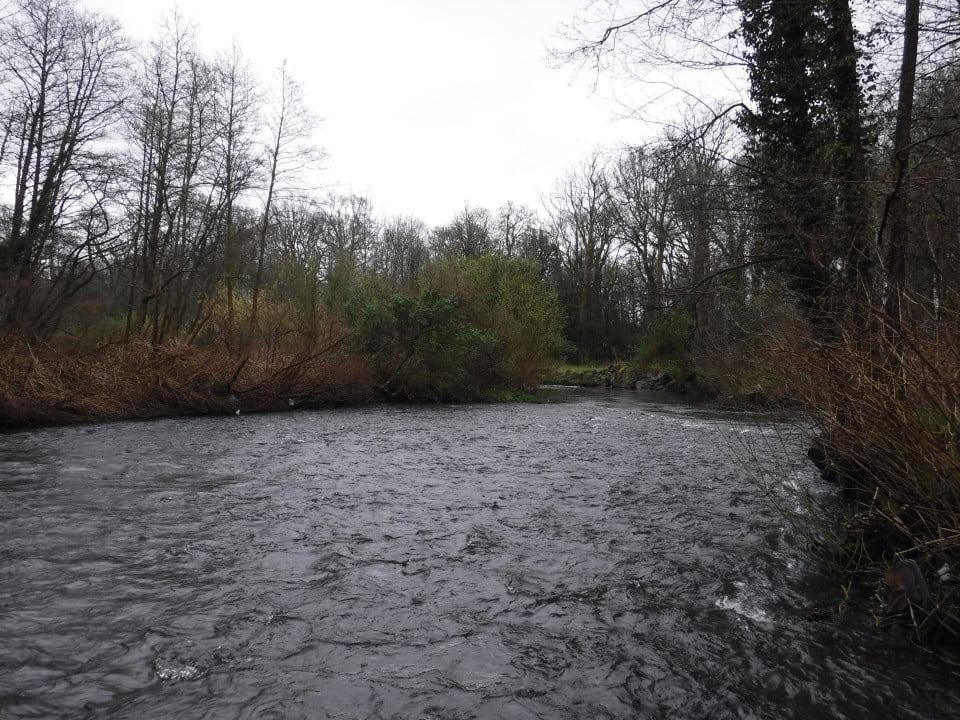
568,350
583,375
666,344
469,325
421,346
507,297
512,396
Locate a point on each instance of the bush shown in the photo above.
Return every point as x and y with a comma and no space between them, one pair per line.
506,297
469,325
666,344
421,346
888,413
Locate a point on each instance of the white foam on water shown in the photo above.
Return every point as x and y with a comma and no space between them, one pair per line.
744,607
169,671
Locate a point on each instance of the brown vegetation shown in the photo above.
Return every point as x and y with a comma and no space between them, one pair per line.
41,385
888,416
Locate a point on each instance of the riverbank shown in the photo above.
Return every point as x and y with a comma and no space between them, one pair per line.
42,385
888,417
724,392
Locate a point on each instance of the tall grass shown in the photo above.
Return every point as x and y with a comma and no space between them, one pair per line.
887,407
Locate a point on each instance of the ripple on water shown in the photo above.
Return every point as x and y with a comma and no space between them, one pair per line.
605,556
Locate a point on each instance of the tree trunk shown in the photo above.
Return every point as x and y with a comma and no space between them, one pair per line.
898,202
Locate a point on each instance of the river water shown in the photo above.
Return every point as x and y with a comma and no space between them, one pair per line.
603,555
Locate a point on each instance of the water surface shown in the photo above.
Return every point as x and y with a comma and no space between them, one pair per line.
604,555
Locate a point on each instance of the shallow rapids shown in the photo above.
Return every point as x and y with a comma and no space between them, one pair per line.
603,555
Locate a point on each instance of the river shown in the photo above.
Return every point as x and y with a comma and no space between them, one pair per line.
601,555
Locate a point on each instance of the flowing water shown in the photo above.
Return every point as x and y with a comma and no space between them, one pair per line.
603,555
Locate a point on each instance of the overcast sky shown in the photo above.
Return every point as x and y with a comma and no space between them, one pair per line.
426,104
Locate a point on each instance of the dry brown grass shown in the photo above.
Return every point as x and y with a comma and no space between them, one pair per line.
890,416
888,412
45,385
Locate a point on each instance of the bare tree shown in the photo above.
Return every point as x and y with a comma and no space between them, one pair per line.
700,190
897,201
512,224
173,211
290,152
60,77
641,186
299,234
350,230
301,259
468,235
931,255
675,51
402,252
239,103
583,223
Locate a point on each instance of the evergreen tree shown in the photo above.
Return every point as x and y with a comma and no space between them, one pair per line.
808,145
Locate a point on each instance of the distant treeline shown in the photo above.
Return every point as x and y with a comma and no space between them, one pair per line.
157,194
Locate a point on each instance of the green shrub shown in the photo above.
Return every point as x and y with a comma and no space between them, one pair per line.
506,297
421,346
463,327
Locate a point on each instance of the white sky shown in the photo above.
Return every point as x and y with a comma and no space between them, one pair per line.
426,105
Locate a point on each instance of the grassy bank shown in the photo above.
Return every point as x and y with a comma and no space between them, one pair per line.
739,370
735,380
